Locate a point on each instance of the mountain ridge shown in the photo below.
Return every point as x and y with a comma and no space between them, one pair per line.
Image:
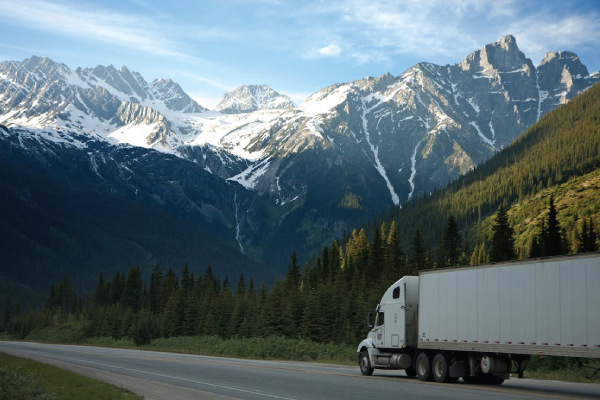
284,179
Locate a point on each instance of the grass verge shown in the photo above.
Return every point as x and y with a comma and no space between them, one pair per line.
24,379
271,348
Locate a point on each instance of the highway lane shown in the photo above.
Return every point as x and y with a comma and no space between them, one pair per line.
168,376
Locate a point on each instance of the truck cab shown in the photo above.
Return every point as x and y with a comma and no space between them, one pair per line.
394,331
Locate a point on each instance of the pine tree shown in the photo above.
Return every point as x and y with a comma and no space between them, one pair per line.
475,256
503,240
587,238
554,242
396,257
187,281
8,312
116,287
375,258
102,294
156,283
451,243
419,253
132,291
583,238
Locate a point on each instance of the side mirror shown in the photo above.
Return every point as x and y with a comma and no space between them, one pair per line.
369,320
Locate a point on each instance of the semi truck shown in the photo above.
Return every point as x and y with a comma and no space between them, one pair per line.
483,322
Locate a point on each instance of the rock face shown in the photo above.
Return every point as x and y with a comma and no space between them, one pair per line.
348,152
248,98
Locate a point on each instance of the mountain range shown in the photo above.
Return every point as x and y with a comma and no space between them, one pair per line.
258,177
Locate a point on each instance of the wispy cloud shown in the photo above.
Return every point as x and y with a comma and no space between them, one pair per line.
446,30
202,79
331,50
538,34
90,24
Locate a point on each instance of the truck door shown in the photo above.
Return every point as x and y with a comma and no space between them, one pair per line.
396,319
379,330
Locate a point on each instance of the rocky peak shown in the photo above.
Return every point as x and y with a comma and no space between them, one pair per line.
248,98
559,60
502,56
174,97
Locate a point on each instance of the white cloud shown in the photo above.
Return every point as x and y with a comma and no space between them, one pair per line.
332,50
76,21
539,34
447,30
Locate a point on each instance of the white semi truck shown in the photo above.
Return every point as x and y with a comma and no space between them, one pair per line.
476,323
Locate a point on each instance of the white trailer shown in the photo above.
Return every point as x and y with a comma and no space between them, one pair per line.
477,322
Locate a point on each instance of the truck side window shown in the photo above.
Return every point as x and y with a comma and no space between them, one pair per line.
396,292
379,318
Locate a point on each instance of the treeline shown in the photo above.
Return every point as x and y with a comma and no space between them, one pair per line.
326,300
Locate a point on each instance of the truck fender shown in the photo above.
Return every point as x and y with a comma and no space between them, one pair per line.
367,345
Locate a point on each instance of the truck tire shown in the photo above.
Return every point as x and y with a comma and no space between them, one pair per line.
423,367
439,369
365,364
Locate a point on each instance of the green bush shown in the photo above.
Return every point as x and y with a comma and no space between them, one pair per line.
16,384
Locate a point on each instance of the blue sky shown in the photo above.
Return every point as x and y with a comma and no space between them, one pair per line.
297,47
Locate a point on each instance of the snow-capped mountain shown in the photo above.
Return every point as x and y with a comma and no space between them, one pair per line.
349,151
248,98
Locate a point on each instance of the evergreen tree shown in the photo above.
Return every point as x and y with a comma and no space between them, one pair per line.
587,238
537,248
8,312
116,287
583,238
132,291
292,280
503,240
554,241
419,253
102,293
169,287
374,269
475,256
154,293
396,257
187,282
451,243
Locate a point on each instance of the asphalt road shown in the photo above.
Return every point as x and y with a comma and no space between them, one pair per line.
167,376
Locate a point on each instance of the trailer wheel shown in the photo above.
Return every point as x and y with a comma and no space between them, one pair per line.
423,366
365,364
439,369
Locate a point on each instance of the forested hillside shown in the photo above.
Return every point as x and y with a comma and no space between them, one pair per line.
563,145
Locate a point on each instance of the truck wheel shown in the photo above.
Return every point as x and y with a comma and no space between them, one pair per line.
411,372
439,369
423,367
365,364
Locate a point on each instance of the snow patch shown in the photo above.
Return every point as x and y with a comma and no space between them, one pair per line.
413,171
249,177
375,151
486,140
